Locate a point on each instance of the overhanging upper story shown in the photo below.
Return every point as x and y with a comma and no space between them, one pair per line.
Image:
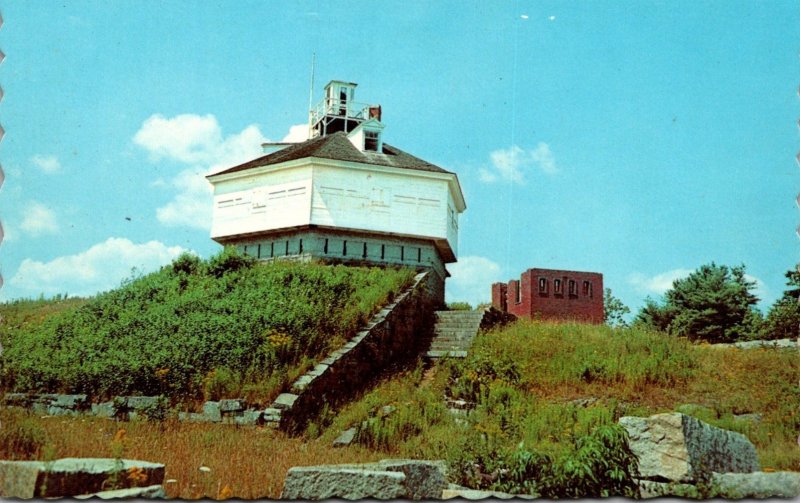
341,182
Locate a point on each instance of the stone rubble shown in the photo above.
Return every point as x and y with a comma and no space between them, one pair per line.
70,476
386,479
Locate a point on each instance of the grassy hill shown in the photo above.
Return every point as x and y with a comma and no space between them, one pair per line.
542,389
545,396
223,326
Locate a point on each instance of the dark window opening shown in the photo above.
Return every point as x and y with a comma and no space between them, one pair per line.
301,246
419,254
557,287
259,251
543,285
402,253
519,292
344,247
364,255
587,288
272,249
371,140
287,247
325,247
573,288
383,251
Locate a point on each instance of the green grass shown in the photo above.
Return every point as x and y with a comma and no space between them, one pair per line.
525,378
222,326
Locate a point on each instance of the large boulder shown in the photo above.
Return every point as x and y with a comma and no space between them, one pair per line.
74,476
351,482
387,479
424,479
675,447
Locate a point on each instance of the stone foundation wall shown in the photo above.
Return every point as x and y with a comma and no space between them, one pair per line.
398,332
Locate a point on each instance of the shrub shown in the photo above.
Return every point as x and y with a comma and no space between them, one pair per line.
220,383
229,260
600,465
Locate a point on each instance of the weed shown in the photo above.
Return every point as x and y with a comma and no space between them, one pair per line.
21,436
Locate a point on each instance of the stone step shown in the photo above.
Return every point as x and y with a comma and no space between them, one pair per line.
446,353
449,348
455,337
451,316
453,340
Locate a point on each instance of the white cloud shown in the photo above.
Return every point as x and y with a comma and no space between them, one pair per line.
198,142
97,269
486,176
297,134
38,220
760,289
191,206
471,280
659,283
513,163
187,138
543,158
47,163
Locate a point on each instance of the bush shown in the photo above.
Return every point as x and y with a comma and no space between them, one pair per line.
221,383
601,465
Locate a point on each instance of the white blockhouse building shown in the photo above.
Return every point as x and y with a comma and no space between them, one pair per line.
342,196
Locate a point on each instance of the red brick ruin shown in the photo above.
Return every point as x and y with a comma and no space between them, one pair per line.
550,294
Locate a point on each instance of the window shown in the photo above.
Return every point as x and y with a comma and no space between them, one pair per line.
587,288
364,254
371,140
258,255
543,286
325,248
573,288
557,287
344,247
519,292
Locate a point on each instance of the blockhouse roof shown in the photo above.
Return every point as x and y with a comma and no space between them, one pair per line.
338,147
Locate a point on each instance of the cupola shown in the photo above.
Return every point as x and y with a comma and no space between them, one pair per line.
338,110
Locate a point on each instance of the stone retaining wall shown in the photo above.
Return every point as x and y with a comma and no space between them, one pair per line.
398,332
127,408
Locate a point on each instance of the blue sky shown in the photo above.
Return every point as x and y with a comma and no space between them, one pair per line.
636,139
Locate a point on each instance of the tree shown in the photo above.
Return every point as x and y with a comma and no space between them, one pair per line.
715,303
783,319
615,310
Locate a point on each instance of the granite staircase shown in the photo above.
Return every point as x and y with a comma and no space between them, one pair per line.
454,332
